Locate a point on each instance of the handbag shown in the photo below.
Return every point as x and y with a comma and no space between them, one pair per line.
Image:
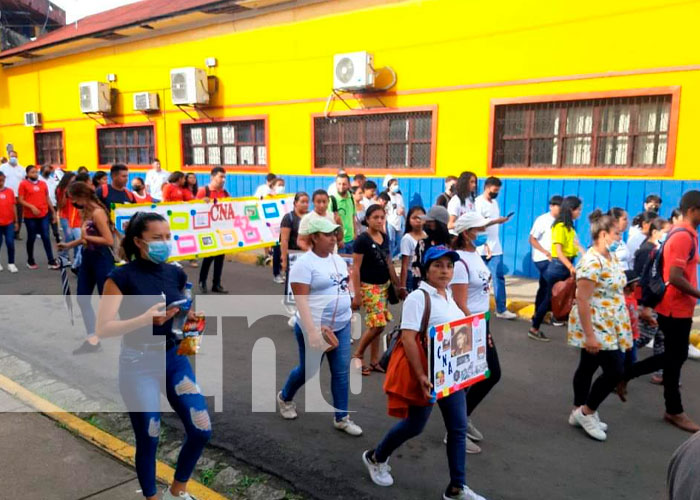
563,295
392,297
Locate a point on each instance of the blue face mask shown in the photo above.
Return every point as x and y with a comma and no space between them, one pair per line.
158,251
613,246
480,240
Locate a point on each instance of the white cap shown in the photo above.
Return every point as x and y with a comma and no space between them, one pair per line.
386,180
468,221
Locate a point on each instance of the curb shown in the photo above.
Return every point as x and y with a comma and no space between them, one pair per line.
122,451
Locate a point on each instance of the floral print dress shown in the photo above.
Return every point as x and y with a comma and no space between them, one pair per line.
609,315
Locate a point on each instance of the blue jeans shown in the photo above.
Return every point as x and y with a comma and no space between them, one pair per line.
412,281
339,361
8,233
555,272
143,376
38,226
97,264
348,247
394,236
495,265
454,413
542,288
71,234
276,260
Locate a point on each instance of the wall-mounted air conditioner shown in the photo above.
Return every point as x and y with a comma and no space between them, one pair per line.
146,101
95,97
32,119
189,86
353,71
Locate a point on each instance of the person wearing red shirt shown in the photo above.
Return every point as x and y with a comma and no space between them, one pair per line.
175,189
38,214
675,311
214,191
138,187
8,222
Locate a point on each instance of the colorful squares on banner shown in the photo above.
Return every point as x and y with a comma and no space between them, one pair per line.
228,237
207,241
186,244
121,222
271,210
251,211
201,220
179,221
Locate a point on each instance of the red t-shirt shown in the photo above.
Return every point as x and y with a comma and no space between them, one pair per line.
74,216
173,192
214,194
34,193
632,308
677,250
142,199
7,206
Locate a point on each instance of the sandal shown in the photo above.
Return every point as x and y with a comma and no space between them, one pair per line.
376,367
366,370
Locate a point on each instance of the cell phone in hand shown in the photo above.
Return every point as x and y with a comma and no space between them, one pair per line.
510,215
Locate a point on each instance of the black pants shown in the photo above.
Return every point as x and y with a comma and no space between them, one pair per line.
20,218
218,269
478,391
276,260
612,363
542,288
676,336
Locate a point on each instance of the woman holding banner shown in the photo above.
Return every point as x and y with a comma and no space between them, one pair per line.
471,291
408,384
175,189
320,282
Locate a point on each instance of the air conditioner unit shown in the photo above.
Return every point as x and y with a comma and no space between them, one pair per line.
146,101
353,71
95,97
189,86
32,119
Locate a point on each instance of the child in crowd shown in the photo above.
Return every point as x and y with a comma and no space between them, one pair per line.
414,234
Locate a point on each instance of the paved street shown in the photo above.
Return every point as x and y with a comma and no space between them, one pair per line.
529,452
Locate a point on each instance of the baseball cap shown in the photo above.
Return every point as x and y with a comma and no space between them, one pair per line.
468,221
437,252
438,213
321,225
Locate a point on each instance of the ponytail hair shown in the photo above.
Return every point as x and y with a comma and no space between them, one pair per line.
616,213
657,224
600,222
83,190
644,218
135,228
568,206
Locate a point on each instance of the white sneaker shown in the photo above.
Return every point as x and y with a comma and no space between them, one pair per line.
167,495
1,268
288,409
379,472
292,321
506,315
472,447
574,423
693,352
473,433
12,268
590,425
465,494
348,426
279,279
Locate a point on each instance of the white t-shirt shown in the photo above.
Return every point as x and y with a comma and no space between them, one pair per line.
441,311
332,190
635,238
408,245
393,218
367,202
154,183
51,184
472,271
542,232
624,256
263,191
490,210
457,208
13,176
329,288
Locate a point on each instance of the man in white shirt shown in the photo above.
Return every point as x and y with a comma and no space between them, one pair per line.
541,242
266,189
14,174
492,252
155,179
370,192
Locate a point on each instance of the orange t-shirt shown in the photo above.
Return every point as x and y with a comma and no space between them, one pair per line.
142,199
677,253
173,192
7,206
34,193
74,218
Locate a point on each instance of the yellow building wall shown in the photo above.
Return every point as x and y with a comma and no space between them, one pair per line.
280,65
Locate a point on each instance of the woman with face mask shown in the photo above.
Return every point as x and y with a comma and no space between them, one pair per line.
624,256
395,215
141,294
38,213
471,291
97,260
599,325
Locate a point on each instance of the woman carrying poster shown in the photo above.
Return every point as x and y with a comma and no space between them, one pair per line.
471,291
408,385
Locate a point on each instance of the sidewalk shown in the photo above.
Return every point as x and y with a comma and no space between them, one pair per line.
42,460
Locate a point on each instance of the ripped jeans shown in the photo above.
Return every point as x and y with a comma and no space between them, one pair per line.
143,375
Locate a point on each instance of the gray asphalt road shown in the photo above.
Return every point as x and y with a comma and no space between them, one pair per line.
530,451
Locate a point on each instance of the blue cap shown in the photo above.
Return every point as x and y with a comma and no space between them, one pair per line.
437,252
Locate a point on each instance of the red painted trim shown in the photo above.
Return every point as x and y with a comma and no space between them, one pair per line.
229,168
587,171
136,167
63,140
379,171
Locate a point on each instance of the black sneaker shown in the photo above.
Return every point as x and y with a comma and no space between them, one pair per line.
537,335
218,289
88,348
203,288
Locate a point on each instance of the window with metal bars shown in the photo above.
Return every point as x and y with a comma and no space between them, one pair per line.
229,143
620,132
49,148
129,145
381,141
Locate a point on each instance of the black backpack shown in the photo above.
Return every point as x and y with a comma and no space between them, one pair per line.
652,278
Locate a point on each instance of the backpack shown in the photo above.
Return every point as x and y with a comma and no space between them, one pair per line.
105,192
207,192
652,280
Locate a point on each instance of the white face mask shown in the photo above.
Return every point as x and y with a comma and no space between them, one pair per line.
279,190
394,188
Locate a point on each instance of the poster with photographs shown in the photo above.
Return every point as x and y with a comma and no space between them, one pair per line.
457,355
293,256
